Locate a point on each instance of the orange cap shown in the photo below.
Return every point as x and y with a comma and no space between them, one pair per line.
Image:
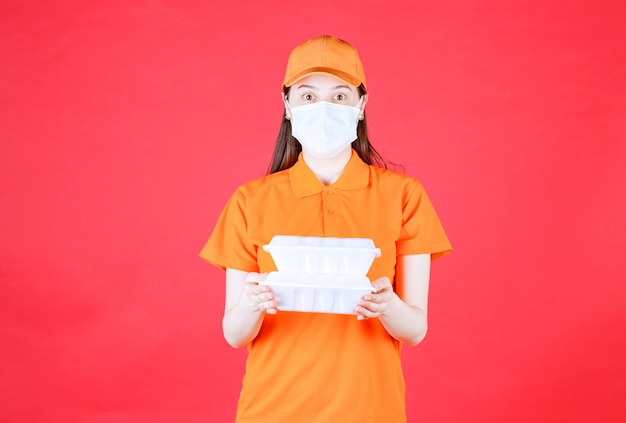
325,54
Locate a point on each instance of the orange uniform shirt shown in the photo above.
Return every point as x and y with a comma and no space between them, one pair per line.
314,367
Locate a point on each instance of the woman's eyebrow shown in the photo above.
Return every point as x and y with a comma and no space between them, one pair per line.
307,86
315,88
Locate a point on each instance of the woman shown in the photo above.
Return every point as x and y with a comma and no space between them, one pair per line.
326,180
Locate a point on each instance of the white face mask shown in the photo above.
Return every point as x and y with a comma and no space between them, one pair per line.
324,129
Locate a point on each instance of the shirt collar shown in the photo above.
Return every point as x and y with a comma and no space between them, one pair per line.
304,182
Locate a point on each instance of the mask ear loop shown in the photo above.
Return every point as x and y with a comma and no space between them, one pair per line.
361,115
287,108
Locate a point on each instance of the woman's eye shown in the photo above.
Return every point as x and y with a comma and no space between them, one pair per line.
307,97
340,97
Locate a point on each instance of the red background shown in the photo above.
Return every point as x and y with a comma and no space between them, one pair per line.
125,126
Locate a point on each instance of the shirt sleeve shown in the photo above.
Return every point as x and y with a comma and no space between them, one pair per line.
229,245
422,231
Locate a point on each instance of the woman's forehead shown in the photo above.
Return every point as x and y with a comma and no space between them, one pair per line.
322,81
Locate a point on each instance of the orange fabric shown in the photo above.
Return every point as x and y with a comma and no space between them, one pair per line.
313,367
325,54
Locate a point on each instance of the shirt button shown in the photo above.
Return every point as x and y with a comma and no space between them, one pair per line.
331,212
330,192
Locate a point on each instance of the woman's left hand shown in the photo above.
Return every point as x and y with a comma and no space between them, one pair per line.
378,302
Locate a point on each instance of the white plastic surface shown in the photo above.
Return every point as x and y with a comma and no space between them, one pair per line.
319,255
317,293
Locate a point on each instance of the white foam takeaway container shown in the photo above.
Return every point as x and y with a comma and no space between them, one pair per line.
322,255
317,293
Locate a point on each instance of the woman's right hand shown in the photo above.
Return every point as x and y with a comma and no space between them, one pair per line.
245,306
260,297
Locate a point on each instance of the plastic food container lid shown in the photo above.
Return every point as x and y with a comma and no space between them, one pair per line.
321,242
322,255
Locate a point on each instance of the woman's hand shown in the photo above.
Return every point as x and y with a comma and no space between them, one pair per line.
260,297
246,304
378,302
403,313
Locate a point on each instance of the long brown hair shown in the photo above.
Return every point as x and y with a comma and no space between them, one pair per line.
288,148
